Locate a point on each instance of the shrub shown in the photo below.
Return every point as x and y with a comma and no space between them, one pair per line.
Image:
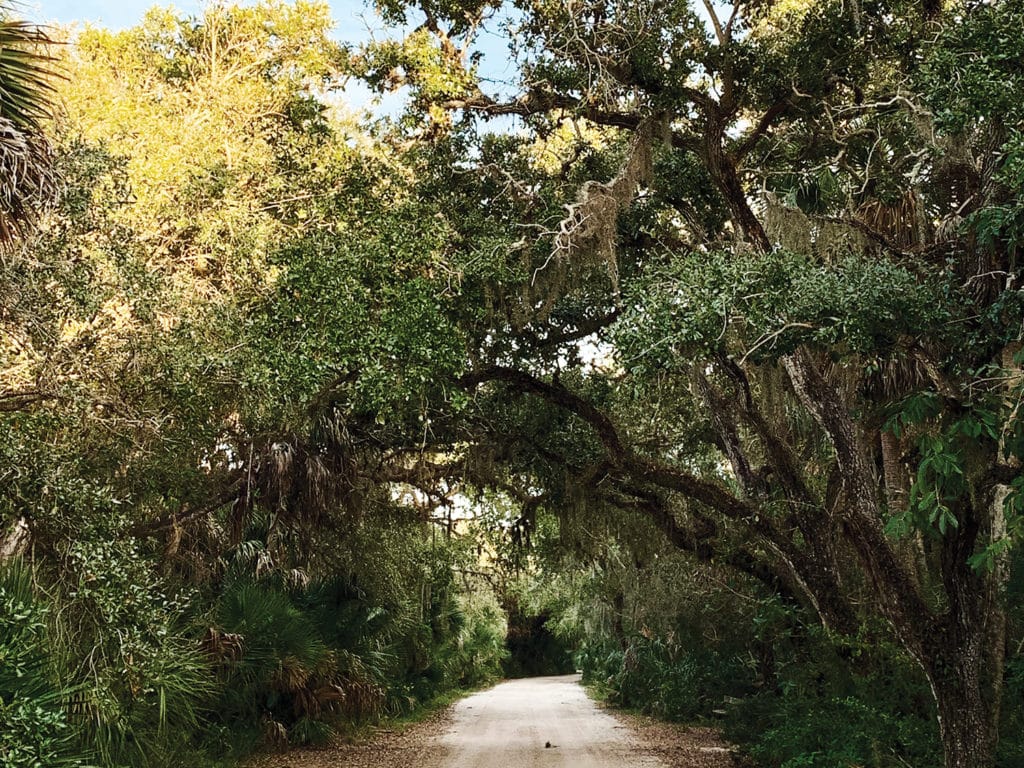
475,653
869,706
142,683
276,670
34,727
665,679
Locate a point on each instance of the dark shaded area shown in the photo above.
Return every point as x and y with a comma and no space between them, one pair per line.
533,649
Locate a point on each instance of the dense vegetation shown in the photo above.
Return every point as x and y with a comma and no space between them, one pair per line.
706,366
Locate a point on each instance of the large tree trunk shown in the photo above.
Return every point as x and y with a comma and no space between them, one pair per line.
897,493
964,654
897,481
965,730
968,715
961,652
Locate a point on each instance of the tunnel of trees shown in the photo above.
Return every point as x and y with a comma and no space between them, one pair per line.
692,349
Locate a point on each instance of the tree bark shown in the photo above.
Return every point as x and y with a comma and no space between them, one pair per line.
859,515
962,651
967,725
724,173
897,481
618,624
897,494
14,540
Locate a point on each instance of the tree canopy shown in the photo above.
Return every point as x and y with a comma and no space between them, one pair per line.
712,294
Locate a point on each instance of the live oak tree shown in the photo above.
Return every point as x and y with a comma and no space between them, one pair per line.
206,282
793,228
227,334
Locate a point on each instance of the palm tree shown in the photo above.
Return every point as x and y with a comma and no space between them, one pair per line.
27,177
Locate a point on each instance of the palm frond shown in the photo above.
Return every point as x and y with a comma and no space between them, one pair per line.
26,75
27,177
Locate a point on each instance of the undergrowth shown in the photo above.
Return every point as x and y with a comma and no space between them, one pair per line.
109,663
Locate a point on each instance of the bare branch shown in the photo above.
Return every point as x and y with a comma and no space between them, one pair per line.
723,39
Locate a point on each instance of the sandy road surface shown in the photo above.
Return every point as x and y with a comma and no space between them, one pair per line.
509,725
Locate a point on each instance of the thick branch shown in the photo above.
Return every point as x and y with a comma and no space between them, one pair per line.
21,399
812,571
719,32
870,232
893,585
581,329
711,494
724,172
233,493
697,543
722,420
780,455
540,102
773,113
557,395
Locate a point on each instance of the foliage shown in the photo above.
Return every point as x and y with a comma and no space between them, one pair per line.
277,670
26,106
169,309
775,304
665,679
480,648
298,659
722,344
787,693
144,683
35,731
876,713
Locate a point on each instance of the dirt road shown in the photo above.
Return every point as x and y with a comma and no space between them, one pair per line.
541,721
509,726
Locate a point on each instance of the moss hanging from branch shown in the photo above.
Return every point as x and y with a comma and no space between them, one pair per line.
588,234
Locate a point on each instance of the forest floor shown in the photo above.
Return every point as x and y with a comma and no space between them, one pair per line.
545,721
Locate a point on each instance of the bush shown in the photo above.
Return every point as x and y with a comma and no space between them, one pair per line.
278,676
116,664
664,679
295,662
142,682
34,727
868,707
475,653
795,732
785,691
